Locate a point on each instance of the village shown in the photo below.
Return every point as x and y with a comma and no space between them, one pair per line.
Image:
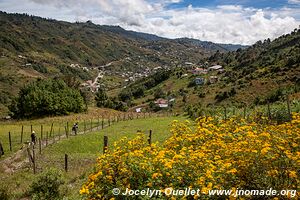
199,75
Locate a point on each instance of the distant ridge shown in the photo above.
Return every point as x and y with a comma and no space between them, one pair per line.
210,45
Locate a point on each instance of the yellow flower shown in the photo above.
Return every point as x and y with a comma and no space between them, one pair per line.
232,171
265,150
84,190
155,175
293,174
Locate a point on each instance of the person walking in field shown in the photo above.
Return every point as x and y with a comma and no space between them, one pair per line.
75,128
33,137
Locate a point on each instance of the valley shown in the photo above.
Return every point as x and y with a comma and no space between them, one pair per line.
87,110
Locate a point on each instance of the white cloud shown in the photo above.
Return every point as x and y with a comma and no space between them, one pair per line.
223,24
294,1
226,24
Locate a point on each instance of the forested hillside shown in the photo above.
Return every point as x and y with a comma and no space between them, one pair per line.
265,72
33,47
272,67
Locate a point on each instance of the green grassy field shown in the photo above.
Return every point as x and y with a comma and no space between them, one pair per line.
82,152
92,118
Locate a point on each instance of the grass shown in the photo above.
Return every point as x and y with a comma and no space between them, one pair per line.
82,152
59,124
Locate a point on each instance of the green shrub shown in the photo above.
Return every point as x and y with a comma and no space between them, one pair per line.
47,98
46,185
280,115
4,193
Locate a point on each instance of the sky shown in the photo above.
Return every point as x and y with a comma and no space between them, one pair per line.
220,21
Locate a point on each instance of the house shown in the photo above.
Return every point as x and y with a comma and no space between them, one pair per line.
90,82
172,100
215,68
162,103
200,81
199,71
85,69
184,75
138,110
213,79
189,63
157,68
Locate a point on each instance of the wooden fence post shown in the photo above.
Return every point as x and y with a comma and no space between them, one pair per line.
150,137
67,129
42,132
98,127
47,138
269,111
102,123
33,160
225,113
109,121
105,145
51,129
1,150
91,124
59,133
40,145
245,112
289,107
22,131
66,162
9,138
67,135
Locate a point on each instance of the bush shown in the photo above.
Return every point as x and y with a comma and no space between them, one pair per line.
103,101
159,93
201,94
215,155
47,98
4,193
46,185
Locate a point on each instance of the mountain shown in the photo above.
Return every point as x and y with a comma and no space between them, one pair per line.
263,73
210,45
33,47
131,34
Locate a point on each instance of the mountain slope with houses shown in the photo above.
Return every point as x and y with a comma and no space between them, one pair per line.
33,47
263,73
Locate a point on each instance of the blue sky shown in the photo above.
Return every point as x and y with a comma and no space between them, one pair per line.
246,3
221,21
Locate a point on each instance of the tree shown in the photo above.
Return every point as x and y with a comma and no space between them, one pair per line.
125,95
46,98
101,97
159,93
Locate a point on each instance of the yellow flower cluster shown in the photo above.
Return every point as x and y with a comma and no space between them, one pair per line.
216,155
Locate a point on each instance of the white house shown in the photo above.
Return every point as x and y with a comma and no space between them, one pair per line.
162,103
215,68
